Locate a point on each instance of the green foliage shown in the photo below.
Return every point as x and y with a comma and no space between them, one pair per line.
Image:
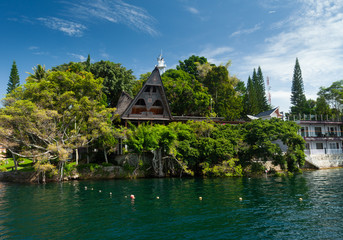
90,167
330,98
261,143
116,80
190,65
259,85
48,117
322,107
13,81
186,95
298,98
228,168
255,100
69,167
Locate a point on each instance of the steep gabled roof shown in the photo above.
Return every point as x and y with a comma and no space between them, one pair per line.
151,102
267,114
123,102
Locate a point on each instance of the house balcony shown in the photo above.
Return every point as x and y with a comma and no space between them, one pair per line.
324,137
323,151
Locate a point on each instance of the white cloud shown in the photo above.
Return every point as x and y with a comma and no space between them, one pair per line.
217,55
246,31
68,27
192,10
314,34
80,57
115,11
33,48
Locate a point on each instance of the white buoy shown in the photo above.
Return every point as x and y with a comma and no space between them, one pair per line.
99,190
157,197
240,199
300,199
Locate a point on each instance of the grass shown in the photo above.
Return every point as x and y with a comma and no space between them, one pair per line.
24,165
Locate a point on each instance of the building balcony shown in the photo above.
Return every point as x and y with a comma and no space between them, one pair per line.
323,151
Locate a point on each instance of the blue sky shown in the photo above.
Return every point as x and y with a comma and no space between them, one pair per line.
266,33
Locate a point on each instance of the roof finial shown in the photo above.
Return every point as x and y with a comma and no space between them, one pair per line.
160,63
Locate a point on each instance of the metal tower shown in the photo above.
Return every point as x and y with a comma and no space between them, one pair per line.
268,88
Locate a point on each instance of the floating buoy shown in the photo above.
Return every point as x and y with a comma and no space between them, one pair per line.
200,198
92,189
110,193
157,197
125,196
99,190
300,199
240,199
86,188
132,196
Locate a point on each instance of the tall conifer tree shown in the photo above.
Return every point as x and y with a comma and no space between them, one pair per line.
250,107
261,92
298,98
13,81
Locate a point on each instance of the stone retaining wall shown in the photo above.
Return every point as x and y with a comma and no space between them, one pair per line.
325,160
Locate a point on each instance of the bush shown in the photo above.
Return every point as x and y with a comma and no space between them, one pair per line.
3,169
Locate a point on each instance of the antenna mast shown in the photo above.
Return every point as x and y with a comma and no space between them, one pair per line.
268,89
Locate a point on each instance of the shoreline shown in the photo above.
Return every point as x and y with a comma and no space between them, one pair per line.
108,173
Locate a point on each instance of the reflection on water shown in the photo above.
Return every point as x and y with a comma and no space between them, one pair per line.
269,208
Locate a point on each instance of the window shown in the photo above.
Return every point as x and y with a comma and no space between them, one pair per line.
319,146
332,146
318,131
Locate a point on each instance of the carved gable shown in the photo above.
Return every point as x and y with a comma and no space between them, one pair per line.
150,103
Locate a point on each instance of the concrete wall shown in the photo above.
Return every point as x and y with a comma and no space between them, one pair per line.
326,160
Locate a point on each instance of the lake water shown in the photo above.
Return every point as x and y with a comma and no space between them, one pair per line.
270,208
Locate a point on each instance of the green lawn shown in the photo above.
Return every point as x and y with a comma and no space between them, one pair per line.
8,165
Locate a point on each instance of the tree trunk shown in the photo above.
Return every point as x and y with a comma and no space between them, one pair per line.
61,176
87,155
15,162
43,177
160,172
76,156
105,154
157,162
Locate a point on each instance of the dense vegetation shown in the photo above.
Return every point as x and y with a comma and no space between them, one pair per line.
65,116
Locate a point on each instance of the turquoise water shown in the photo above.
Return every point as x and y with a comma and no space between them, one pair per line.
270,208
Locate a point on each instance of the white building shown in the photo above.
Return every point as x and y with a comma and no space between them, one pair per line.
322,137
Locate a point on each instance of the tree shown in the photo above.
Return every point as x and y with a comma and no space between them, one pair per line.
260,89
227,102
48,119
250,99
116,80
322,107
190,65
186,95
13,81
39,72
298,98
333,96
261,143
